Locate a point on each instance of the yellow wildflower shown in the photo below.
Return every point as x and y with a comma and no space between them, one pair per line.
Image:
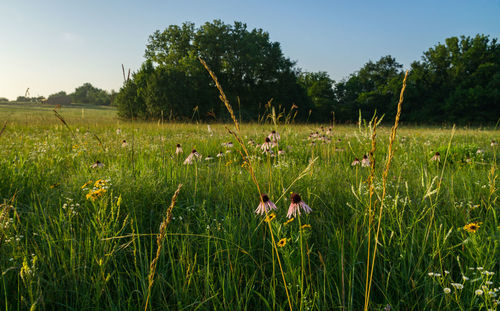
93,195
306,226
288,221
86,184
270,217
472,227
100,183
282,242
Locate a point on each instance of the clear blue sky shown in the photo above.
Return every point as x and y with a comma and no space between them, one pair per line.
50,46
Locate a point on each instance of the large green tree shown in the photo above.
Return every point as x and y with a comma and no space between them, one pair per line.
251,68
458,82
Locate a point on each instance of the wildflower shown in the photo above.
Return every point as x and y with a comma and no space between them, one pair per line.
365,162
97,164
295,206
93,195
265,205
306,226
355,162
124,143
282,242
118,131
274,136
478,292
227,145
266,146
437,274
329,131
288,221
430,274
479,151
446,290
465,278
86,184
472,227
281,152
209,158
251,142
493,143
457,285
436,157
100,183
220,154
192,156
270,217
178,149
54,185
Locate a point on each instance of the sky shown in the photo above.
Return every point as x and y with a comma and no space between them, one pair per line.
49,46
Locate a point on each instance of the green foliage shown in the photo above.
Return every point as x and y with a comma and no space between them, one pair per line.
458,82
319,88
60,98
251,68
88,94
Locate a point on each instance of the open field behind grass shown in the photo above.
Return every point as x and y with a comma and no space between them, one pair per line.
74,237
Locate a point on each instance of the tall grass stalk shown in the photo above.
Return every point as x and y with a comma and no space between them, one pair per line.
159,241
390,155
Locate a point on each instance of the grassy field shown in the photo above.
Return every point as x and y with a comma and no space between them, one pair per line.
77,237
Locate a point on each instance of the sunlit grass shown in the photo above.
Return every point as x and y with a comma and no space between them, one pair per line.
62,250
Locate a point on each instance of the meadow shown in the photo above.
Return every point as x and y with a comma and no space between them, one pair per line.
85,195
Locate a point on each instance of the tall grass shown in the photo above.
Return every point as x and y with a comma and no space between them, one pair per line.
60,250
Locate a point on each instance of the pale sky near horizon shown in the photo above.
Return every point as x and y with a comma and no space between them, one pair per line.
56,45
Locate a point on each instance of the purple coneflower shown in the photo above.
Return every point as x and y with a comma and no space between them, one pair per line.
178,149
266,146
493,143
124,143
281,152
296,205
274,136
227,145
97,164
365,162
265,205
329,132
209,158
436,157
251,142
355,162
192,156
220,154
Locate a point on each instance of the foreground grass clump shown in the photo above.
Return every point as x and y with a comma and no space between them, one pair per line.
78,235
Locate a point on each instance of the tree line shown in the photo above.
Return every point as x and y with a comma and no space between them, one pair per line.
456,81
84,94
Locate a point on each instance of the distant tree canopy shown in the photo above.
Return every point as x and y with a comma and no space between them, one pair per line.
60,98
455,82
85,94
88,94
